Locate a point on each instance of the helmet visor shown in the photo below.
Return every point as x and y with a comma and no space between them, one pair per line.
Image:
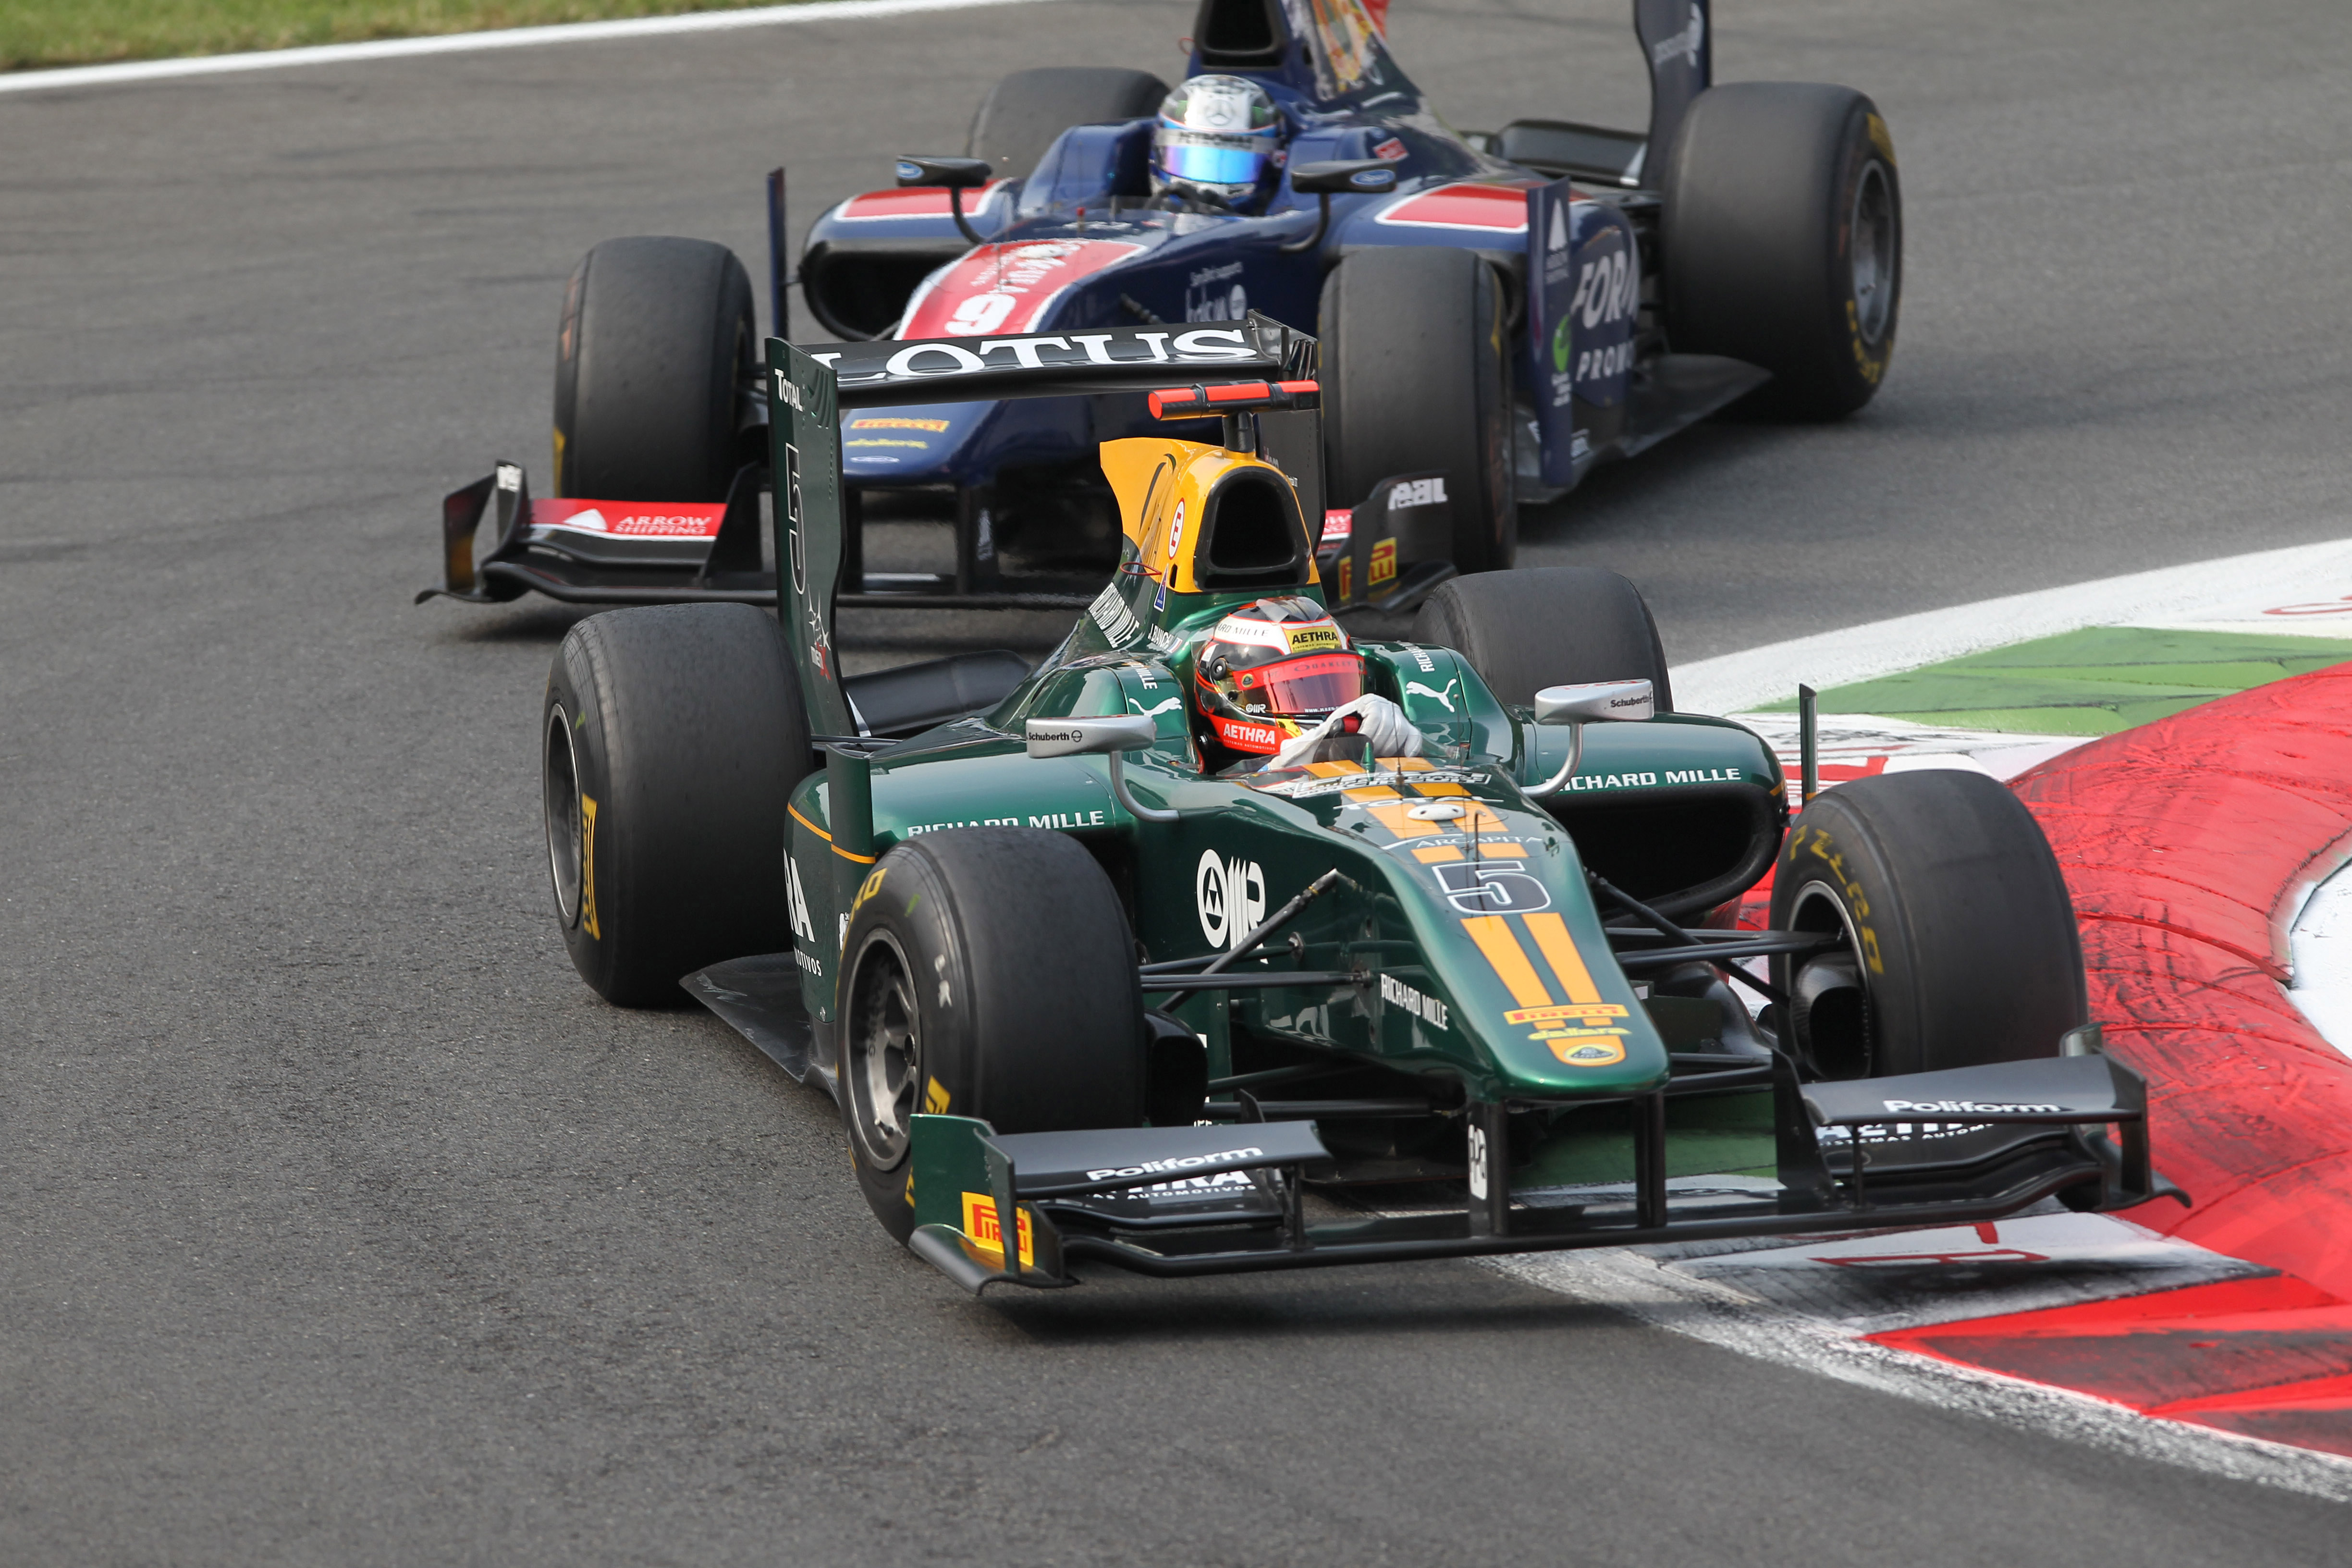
1313,683
1211,162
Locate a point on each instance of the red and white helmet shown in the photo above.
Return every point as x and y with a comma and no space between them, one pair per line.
1273,670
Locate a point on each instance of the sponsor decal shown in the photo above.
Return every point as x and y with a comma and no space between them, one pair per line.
1304,789
1477,1161
1561,1014
1685,43
1389,151
897,422
1111,612
627,519
1060,820
1183,1163
1429,492
981,1225
1347,579
1176,530
1164,641
588,868
1970,1107
1216,294
935,1098
1230,896
803,928
1395,993
1007,289
1415,688
1340,526
1313,636
1421,657
1703,775
868,888
1831,860
1584,782
1482,887
888,441
1384,567
1487,209
1587,1053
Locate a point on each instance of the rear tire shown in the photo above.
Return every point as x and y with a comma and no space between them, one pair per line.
987,971
1547,626
670,739
1783,238
653,358
1021,114
1962,943
1415,376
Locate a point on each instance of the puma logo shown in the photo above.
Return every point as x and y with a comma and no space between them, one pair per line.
1155,712
1415,687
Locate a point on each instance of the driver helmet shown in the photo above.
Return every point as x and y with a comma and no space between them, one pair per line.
1218,136
1272,670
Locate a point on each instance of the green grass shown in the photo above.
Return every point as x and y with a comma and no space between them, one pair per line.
48,33
2091,682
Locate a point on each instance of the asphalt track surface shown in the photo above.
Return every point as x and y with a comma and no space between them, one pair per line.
340,1223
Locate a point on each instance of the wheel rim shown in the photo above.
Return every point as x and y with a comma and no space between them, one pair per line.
564,815
1836,1033
884,1071
1873,227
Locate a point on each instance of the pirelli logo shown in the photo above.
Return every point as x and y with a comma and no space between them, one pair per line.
981,1226
1570,1012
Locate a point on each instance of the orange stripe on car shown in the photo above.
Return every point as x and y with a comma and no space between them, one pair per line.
1551,935
1493,935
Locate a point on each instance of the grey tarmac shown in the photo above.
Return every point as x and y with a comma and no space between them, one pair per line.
340,1223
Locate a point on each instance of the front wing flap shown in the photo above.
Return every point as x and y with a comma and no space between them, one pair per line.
1861,1156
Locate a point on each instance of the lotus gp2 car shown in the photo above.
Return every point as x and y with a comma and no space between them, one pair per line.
1497,313
1158,954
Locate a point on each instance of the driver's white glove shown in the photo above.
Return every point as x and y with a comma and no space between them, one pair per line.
1378,720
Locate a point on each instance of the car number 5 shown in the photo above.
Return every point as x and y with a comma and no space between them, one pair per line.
1482,887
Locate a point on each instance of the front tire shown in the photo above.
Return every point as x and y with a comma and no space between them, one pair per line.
1783,238
670,739
655,353
1547,626
990,972
1960,944
1415,375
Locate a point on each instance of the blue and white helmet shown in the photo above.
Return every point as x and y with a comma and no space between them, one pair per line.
1218,136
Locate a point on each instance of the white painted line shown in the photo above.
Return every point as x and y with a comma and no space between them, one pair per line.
2320,941
457,43
2286,593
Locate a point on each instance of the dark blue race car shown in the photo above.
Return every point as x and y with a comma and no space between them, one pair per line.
1493,315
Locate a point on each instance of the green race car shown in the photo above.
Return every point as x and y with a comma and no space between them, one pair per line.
1222,930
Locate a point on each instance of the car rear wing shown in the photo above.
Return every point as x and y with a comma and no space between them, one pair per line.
1957,1147
809,388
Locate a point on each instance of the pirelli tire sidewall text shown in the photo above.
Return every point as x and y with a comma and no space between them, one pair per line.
1959,924
1028,1011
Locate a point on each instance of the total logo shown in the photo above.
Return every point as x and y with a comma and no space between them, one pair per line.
1685,43
1230,896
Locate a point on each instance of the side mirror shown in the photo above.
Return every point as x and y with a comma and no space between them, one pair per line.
1580,705
1100,737
953,173
1089,737
1622,700
1336,178
1345,177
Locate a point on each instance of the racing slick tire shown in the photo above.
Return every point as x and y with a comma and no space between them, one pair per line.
655,355
1417,376
987,971
1783,239
1021,114
1547,626
1960,944
670,738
